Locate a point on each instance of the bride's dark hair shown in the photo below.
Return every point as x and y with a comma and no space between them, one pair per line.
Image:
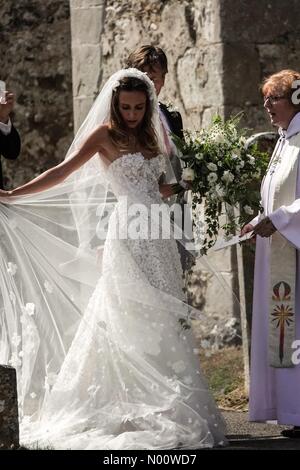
145,135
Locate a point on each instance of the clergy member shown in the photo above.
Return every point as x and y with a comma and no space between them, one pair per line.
275,372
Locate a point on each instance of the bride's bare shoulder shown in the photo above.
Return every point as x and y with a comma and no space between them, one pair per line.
102,131
107,149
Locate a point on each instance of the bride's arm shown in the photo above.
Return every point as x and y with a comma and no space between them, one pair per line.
60,172
168,190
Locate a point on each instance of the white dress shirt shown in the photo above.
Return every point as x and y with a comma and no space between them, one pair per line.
5,128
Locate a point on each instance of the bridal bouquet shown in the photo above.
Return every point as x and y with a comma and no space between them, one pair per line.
223,174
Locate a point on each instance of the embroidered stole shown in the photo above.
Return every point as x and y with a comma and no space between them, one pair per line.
283,265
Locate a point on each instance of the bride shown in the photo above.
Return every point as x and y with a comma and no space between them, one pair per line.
93,314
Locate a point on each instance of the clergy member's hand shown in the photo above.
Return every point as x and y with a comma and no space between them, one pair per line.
265,228
248,228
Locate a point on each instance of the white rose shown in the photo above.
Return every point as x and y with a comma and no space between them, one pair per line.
212,178
240,165
219,191
233,130
248,210
212,167
218,138
188,174
251,159
227,176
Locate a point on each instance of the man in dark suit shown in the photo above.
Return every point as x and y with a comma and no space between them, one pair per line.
153,61
10,144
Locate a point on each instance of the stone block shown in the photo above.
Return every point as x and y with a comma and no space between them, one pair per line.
82,105
87,25
240,73
199,78
221,260
219,312
258,21
86,69
275,57
174,22
9,424
86,3
207,23
255,117
209,113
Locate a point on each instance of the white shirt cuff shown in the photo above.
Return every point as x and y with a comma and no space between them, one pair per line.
279,218
255,220
5,128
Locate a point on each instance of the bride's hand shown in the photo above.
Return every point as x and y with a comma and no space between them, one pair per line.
166,190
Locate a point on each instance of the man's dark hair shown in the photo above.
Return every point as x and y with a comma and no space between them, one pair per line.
148,56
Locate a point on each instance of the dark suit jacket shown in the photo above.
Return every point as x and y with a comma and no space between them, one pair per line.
174,121
10,146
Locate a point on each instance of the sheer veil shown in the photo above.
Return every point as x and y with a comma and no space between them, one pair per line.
51,249
51,261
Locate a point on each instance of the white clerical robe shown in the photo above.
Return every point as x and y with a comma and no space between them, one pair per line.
275,392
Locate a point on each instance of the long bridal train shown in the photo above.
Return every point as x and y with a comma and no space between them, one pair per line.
123,374
93,323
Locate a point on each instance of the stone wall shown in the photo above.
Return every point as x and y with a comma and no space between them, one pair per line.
189,32
35,61
218,51
104,32
9,425
259,37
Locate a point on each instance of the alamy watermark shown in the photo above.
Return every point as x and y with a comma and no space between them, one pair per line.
127,220
296,353
296,93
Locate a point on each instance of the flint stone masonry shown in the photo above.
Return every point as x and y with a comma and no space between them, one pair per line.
189,32
9,426
35,63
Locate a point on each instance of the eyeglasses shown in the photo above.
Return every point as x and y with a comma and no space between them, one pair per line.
273,99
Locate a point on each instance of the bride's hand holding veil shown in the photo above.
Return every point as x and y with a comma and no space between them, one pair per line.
60,172
166,190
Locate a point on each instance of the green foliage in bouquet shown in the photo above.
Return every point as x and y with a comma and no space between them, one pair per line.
224,174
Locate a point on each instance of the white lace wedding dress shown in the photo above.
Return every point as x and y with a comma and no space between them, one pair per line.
131,377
